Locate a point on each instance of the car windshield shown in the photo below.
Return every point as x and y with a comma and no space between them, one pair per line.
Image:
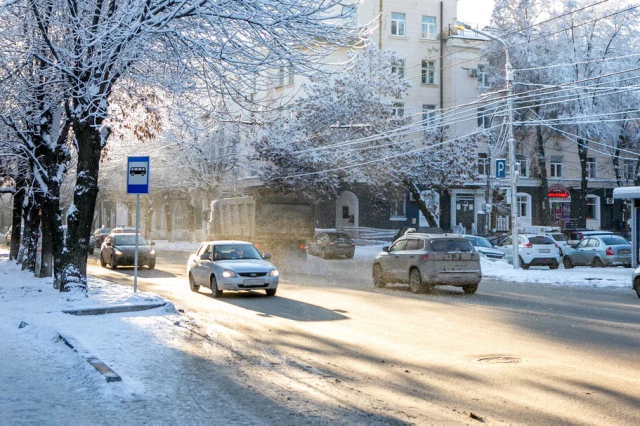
559,237
480,242
334,237
451,245
615,241
129,240
235,251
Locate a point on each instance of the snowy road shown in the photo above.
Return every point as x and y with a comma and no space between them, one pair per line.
514,353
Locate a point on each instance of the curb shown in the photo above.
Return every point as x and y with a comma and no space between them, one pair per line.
112,309
101,367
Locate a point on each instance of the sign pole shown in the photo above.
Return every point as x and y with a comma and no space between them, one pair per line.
135,260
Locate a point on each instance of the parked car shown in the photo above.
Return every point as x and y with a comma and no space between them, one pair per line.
231,265
332,244
560,239
425,260
119,250
539,230
599,251
122,229
484,247
577,236
100,234
417,230
534,250
635,281
497,240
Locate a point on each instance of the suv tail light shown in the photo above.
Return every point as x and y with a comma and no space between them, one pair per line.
556,244
609,251
527,245
425,257
303,247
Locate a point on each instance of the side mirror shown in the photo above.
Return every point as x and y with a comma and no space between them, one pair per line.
153,243
266,256
206,256
385,249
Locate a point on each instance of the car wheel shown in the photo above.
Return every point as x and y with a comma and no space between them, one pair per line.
636,286
214,288
192,284
113,263
378,281
271,291
522,264
152,264
568,264
554,266
470,289
102,262
597,263
415,281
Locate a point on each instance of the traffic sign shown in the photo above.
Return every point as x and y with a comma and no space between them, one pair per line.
501,168
137,175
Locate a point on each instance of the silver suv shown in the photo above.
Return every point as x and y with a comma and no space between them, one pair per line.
427,260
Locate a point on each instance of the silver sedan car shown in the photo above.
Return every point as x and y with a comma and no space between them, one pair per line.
231,265
599,251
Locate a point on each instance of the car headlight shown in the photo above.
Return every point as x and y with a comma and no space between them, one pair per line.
118,252
274,273
228,274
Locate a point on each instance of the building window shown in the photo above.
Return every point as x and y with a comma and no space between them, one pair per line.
281,77
629,170
350,13
428,115
285,76
593,207
484,165
398,24
398,209
428,72
524,166
397,66
429,27
483,76
591,168
556,166
484,118
524,205
397,109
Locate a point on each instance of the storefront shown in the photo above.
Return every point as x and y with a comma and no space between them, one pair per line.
560,201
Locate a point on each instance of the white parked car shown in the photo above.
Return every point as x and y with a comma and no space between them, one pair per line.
534,250
561,240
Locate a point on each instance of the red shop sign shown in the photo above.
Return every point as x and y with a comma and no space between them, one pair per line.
558,191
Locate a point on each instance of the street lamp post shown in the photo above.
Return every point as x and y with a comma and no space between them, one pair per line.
512,151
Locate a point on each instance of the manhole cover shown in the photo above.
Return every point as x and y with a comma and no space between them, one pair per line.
500,359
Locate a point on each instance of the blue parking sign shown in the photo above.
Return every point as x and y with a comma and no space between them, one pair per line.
501,168
137,175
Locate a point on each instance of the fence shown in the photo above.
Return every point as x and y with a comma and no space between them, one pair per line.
370,234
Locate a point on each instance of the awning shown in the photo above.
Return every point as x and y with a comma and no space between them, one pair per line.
626,193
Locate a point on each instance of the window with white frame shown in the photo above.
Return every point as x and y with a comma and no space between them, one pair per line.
350,13
629,170
483,76
556,166
591,168
398,24
285,76
593,207
281,77
397,67
428,114
397,109
484,164
428,72
524,205
398,209
429,27
484,118
524,165
289,75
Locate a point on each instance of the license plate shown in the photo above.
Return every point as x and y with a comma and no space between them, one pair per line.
253,282
624,252
545,251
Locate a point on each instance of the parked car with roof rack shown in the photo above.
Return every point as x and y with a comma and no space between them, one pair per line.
534,250
599,251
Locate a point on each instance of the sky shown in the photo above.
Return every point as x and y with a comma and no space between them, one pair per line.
475,11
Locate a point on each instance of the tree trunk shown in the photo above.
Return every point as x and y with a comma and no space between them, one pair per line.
545,211
30,237
421,203
584,182
16,220
80,216
52,225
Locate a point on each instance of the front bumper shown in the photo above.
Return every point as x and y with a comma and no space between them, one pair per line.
128,259
244,283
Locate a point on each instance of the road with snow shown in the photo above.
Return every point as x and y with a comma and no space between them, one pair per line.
518,353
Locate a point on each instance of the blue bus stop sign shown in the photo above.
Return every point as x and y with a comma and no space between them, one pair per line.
137,175
501,168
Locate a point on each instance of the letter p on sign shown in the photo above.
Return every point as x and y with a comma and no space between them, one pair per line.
501,168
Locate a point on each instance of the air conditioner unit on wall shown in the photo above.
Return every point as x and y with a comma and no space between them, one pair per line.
473,72
609,201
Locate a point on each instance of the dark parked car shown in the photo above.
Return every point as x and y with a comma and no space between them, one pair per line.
599,251
99,235
332,244
431,230
119,250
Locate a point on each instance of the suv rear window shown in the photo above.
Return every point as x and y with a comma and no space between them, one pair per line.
451,245
536,241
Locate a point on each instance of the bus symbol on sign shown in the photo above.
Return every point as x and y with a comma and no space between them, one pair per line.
501,168
138,171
